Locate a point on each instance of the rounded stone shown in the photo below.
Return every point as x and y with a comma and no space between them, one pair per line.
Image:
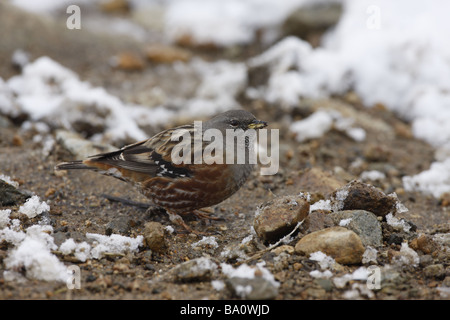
340,243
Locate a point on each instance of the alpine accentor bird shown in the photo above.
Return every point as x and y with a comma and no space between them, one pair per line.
183,187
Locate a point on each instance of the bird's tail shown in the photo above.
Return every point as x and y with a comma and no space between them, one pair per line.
78,164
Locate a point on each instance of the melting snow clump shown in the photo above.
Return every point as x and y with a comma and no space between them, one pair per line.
33,207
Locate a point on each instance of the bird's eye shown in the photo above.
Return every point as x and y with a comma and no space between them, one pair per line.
234,123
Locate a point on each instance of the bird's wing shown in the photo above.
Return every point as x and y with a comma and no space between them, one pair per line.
151,157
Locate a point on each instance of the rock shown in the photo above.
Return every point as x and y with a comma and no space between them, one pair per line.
115,6
436,271
424,243
154,236
277,218
325,284
10,195
257,288
5,122
283,248
446,282
357,195
257,75
200,269
338,242
442,239
425,260
444,199
311,21
128,61
405,257
160,53
17,140
364,223
395,238
315,221
120,225
390,276
370,256
315,180
376,153
78,146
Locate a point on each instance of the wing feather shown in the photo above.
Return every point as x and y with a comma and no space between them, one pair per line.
152,156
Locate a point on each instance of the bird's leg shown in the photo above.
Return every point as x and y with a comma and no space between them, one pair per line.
204,214
175,218
128,202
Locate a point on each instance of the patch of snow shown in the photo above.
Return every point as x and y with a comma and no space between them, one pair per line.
321,274
114,244
225,23
34,207
345,222
51,93
206,241
373,175
369,255
434,181
8,180
321,205
325,261
407,256
246,271
33,256
218,285
313,127
398,224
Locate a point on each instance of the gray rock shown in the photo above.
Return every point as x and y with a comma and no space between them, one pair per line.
5,122
390,277
79,147
200,269
442,238
10,195
435,271
257,288
120,224
325,284
425,260
312,20
364,223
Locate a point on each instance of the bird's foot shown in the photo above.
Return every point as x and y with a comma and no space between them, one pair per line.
205,214
177,219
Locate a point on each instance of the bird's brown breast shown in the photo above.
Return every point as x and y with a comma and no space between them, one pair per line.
212,184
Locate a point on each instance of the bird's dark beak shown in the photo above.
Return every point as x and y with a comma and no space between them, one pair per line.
257,124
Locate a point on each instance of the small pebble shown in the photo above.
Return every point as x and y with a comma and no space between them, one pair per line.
154,236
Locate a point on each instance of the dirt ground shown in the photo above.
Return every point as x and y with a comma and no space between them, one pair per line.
78,204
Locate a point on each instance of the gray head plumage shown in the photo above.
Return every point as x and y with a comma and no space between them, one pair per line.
234,119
